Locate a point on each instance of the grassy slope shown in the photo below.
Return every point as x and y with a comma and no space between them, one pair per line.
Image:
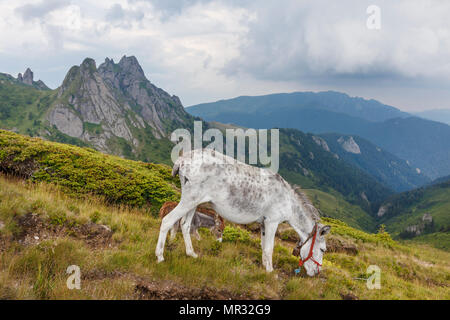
23,107
82,171
38,270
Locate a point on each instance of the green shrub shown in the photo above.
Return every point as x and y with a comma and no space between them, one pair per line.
341,228
95,217
232,234
82,171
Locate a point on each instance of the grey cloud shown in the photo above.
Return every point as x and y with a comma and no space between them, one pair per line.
172,7
329,41
40,9
117,13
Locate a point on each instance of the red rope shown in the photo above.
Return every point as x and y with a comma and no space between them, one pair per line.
310,254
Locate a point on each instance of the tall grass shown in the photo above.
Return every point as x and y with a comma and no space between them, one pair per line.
38,270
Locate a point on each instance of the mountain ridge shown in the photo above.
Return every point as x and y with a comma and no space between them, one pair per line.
113,108
368,109
423,143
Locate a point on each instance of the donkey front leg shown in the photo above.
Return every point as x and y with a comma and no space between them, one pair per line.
268,242
167,223
263,237
185,228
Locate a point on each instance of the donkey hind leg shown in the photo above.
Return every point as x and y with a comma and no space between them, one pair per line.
197,235
269,238
167,222
174,230
185,228
217,229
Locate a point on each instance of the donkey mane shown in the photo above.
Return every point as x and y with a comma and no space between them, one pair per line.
307,204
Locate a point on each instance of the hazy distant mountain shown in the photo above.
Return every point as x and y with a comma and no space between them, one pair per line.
441,115
423,143
370,110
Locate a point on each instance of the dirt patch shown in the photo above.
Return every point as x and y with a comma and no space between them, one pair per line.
284,232
254,227
168,290
348,296
146,289
34,229
102,274
337,245
94,234
23,169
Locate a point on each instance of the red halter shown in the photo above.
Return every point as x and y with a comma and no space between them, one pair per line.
311,248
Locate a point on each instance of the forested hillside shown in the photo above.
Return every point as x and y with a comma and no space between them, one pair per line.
386,168
420,214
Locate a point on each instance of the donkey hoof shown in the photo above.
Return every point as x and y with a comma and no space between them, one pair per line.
193,255
160,259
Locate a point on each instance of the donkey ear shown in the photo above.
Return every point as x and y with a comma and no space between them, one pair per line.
324,230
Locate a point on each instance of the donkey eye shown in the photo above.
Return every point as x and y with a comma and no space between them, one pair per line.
323,250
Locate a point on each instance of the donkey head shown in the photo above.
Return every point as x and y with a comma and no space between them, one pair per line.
312,249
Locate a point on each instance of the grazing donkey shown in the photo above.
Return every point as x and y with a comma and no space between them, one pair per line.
203,218
243,194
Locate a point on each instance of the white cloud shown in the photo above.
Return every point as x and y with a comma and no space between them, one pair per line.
211,49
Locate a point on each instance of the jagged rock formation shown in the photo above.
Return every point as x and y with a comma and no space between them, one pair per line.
420,228
383,209
321,142
349,145
156,105
114,107
27,78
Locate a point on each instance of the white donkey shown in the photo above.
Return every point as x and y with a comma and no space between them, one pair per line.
243,194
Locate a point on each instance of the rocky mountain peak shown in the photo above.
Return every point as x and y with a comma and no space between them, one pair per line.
114,101
88,65
123,74
132,66
28,77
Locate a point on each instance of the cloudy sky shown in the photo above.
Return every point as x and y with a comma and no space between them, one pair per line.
206,50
